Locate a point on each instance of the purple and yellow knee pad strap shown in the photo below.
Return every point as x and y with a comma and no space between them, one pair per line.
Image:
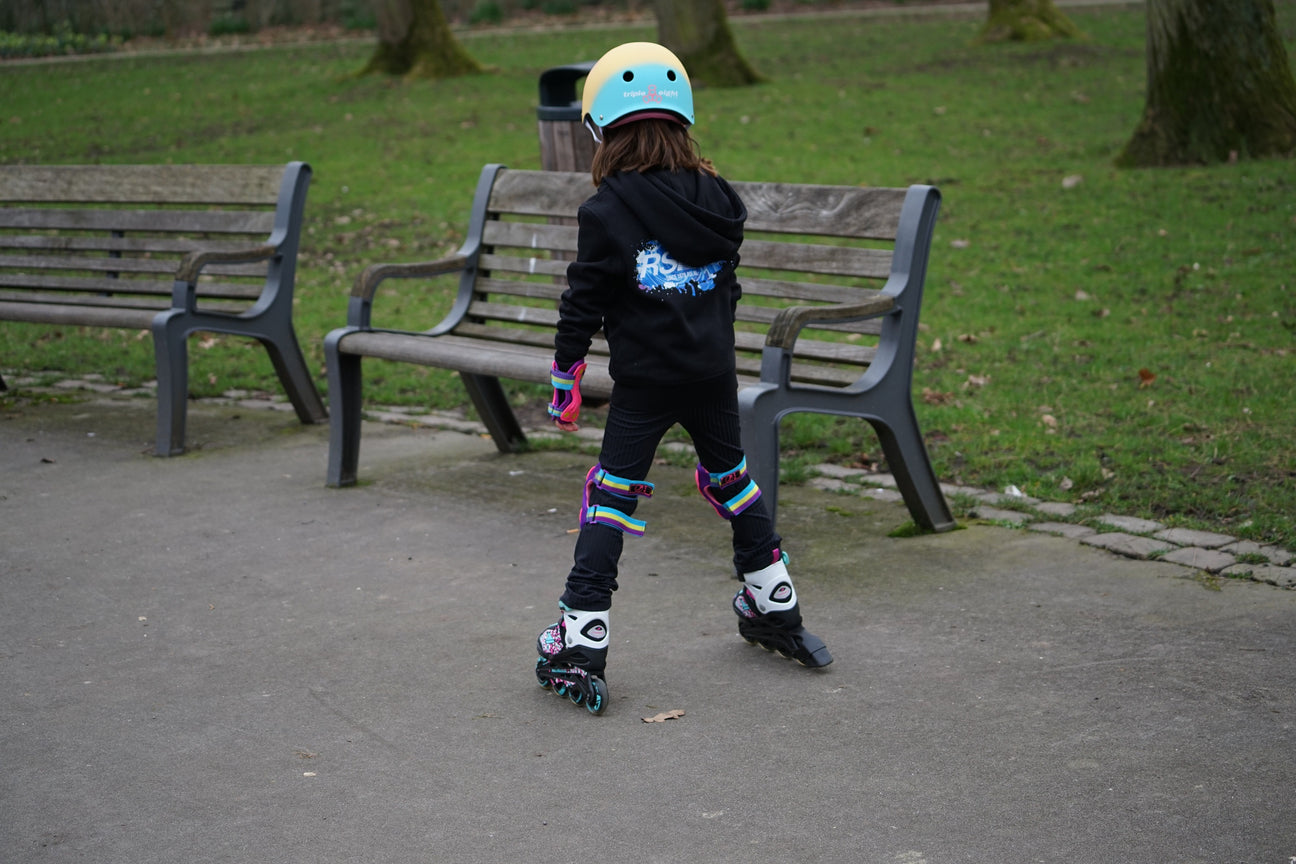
618,487
737,477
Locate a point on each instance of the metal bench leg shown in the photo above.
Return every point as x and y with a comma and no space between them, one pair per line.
171,354
492,405
290,365
345,386
907,458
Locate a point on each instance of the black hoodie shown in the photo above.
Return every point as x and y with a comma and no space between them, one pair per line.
655,269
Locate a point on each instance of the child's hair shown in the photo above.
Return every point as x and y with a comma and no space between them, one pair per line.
644,145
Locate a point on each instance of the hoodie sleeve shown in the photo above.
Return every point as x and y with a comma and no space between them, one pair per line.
592,280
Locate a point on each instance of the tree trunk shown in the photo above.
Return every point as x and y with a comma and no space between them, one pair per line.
1026,21
414,40
698,32
1219,86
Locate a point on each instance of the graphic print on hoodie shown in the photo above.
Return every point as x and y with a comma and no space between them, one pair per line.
659,272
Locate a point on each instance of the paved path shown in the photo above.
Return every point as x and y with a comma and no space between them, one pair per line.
214,658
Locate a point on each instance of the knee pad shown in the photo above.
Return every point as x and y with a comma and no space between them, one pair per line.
738,489
619,489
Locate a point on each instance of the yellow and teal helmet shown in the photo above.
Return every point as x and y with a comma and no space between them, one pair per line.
636,81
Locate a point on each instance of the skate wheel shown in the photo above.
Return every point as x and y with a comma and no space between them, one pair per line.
560,687
597,702
575,695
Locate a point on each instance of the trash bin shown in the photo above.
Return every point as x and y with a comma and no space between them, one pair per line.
565,145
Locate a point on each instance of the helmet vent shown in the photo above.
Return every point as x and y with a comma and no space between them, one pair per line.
670,73
627,76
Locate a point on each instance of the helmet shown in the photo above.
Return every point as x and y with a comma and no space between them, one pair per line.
636,81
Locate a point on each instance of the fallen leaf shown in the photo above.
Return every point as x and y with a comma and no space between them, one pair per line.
664,716
936,397
1146,377
1071,181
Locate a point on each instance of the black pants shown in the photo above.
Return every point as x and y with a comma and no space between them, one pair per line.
637,419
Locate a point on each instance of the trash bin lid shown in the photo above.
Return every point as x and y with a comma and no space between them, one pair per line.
558,91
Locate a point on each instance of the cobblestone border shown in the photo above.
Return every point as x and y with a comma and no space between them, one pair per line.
1216,554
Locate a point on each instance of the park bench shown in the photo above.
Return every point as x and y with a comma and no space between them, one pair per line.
810,336
169,249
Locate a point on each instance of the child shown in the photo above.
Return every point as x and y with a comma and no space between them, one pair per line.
654,269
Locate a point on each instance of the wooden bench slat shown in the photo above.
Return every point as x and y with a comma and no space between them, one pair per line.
804,292
531,363
816,258
157,221
520,288
533,338
154,304
219,290
132,244
540,193
749,369
229,185
546,317
530,235
104,264
749,343
538,266
833,211
81,316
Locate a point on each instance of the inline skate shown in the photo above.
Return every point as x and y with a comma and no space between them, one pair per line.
770,616
573,655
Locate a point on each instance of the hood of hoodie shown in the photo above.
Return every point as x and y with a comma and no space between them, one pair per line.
696,217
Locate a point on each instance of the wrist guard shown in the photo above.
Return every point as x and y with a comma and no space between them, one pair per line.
566,402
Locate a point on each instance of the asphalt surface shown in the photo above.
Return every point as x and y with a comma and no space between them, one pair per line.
214,658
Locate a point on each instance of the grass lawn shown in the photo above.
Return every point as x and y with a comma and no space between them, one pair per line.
1121,339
